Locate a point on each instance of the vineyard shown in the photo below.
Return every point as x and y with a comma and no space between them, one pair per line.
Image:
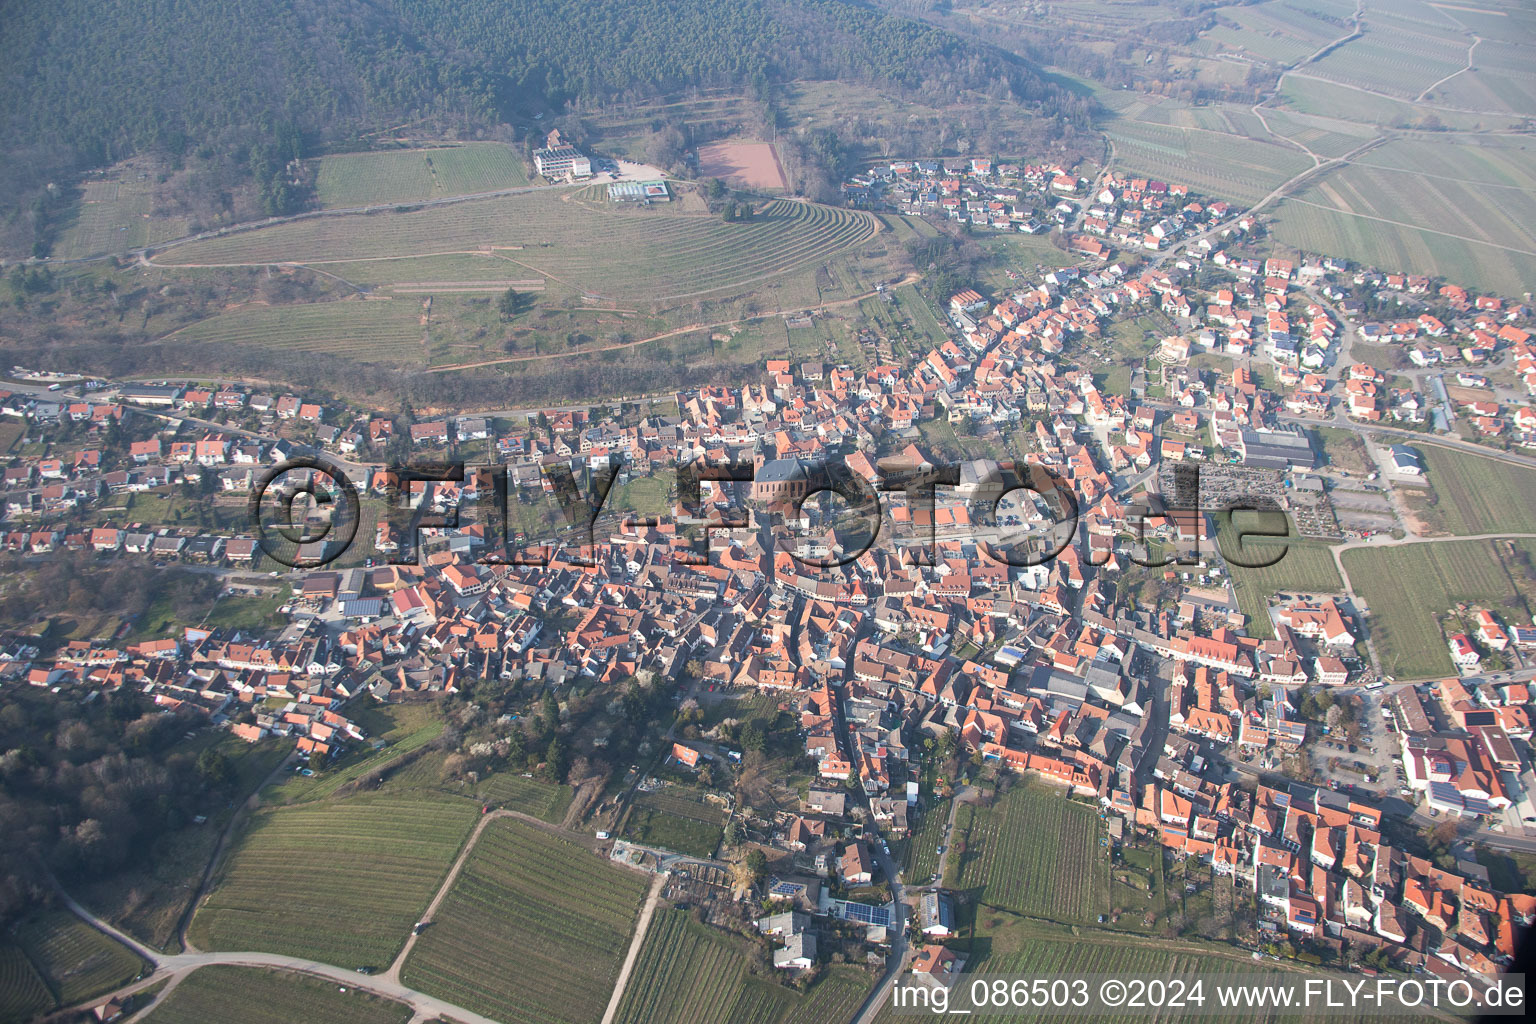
1216,164
1407,588
249,995
922,857
397,176
675,819
634,254
1474,496
1033,852
516,793
75,960
341,882
532,932
22,992
688,973
386,330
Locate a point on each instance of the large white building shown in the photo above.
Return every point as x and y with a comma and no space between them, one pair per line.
562,162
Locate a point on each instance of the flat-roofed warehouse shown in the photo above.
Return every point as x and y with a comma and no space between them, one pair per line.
1276,449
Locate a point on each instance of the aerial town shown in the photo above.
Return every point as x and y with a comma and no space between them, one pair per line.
1119,667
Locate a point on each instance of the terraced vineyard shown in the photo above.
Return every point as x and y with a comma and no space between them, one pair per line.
1034,852
388,330
341,881
249,995
688,973
533,931
22,992
654,255
75,960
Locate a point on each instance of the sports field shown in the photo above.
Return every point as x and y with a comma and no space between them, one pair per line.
750,165
532,932
1034,852
397,176
688,973
339,881
250,995
577,239
1410,587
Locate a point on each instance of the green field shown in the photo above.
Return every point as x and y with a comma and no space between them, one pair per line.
1475,496
1033,852
23,993
75,960
384,330
339,881
249,995
578,239
533,931
1408,587
402,727
688,973
675,819
396,176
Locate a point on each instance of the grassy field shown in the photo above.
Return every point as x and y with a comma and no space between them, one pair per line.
688,973
340,881
1033,852
385,330
1343,450
675,819
533,931
23,993
403,728
1474,495
75,961
395,176
1407,589
577,239
249,995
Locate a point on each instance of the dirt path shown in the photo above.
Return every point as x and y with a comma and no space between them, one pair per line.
641,926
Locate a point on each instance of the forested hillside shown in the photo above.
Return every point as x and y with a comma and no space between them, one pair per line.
87,82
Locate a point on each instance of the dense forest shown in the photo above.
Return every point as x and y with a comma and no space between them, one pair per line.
87,82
